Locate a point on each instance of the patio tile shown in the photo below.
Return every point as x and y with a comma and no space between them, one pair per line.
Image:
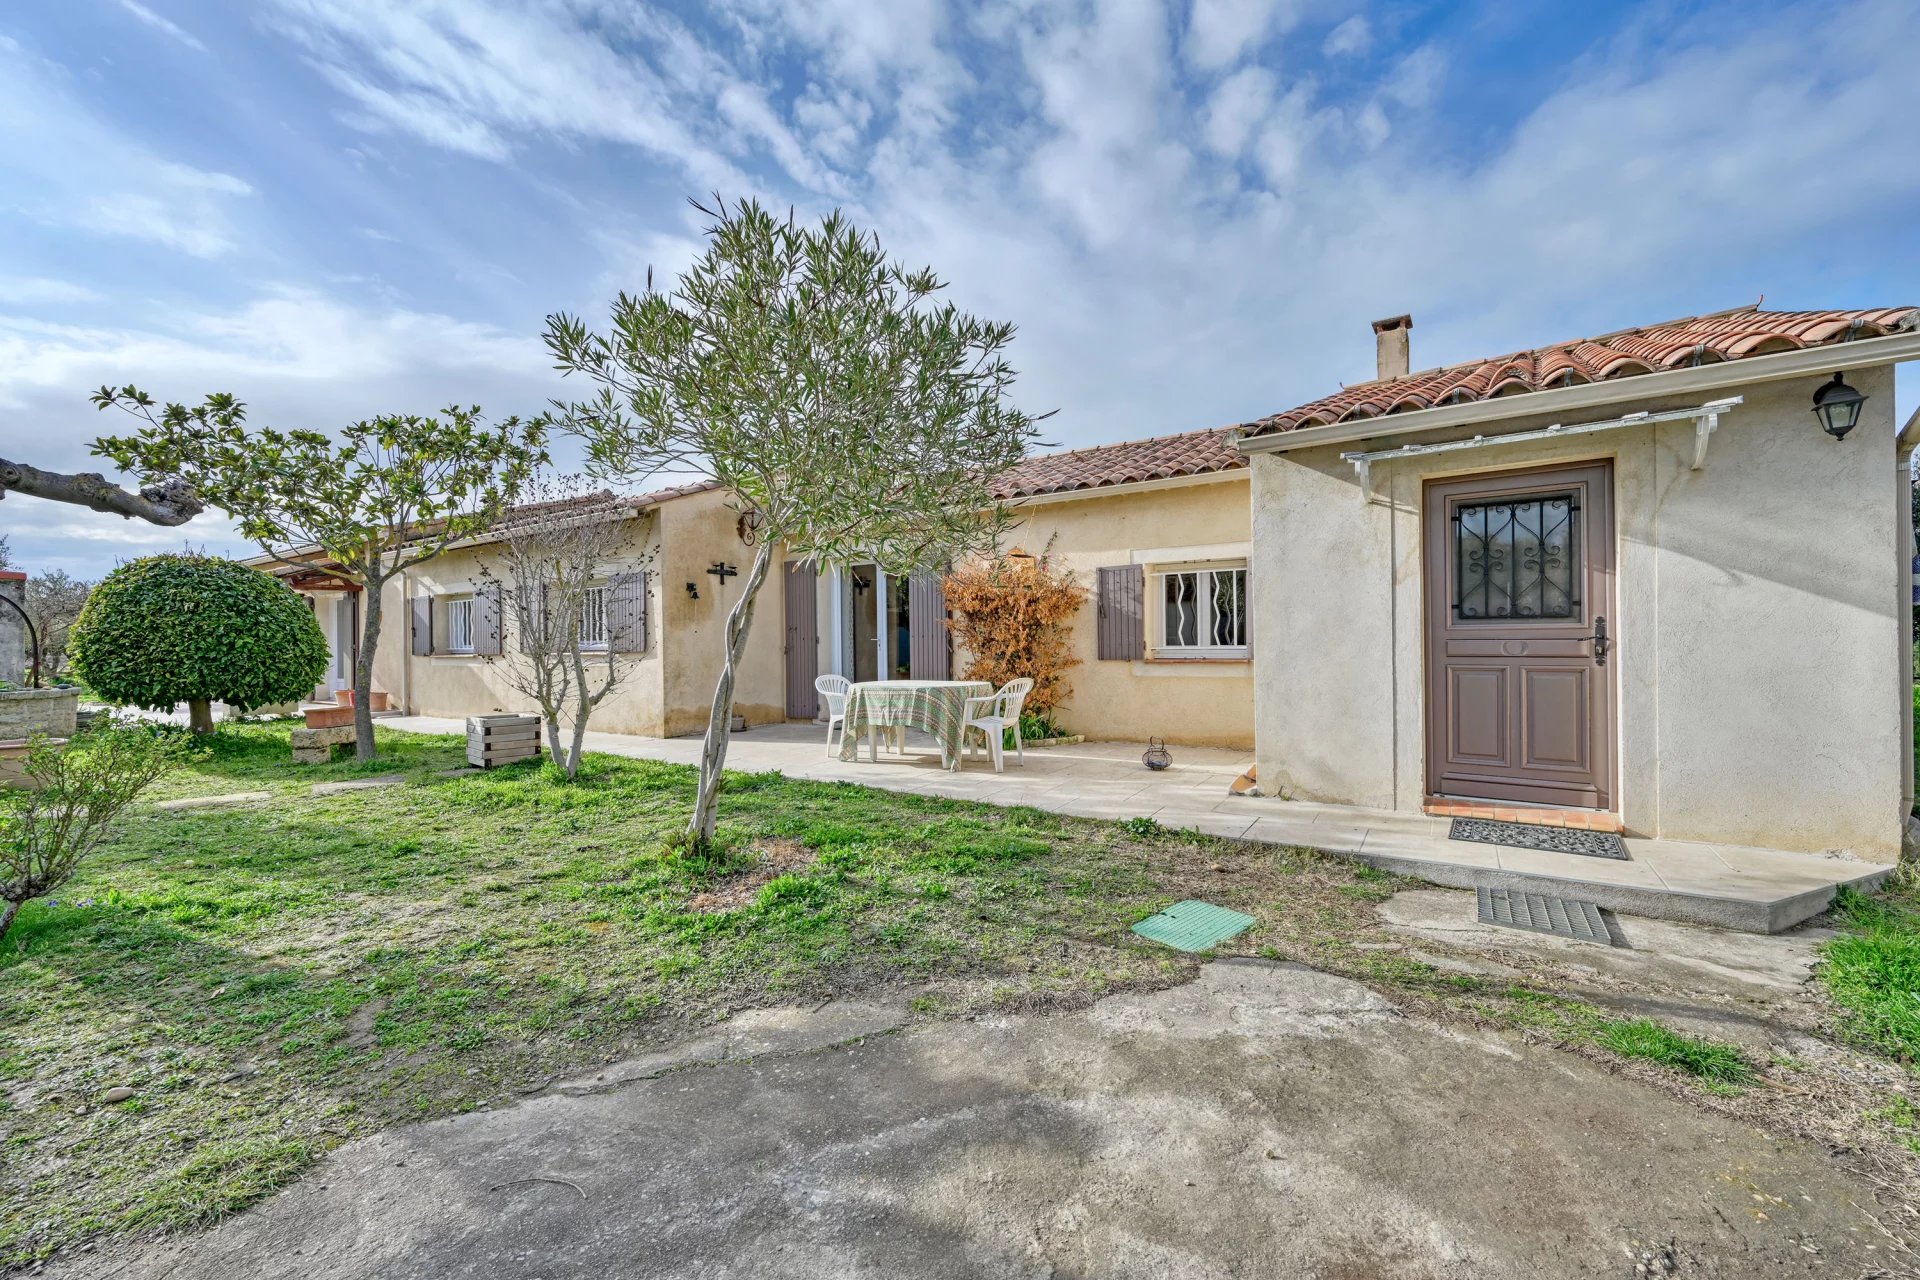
1315,835
1572,866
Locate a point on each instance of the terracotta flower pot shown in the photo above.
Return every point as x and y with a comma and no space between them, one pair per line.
343,696
379,700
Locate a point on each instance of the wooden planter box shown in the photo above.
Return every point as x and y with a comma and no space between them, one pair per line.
329,717
496,740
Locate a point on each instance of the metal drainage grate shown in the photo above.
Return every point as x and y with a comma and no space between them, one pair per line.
1193,925
1561,917
1525,835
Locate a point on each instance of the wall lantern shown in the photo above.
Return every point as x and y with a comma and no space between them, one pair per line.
1838,407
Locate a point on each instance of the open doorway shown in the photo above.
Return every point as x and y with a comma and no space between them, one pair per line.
863,581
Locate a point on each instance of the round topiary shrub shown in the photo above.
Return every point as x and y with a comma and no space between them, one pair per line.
163,630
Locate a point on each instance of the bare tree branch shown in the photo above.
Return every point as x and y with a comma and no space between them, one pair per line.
168,502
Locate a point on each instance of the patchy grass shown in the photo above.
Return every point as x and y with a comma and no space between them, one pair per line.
1873,972
255,756
1708,1060
273,980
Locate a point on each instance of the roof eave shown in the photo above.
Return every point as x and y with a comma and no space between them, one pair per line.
1131,486
1834,358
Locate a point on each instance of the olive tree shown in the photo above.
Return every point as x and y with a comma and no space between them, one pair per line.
825,386
390,493
163,630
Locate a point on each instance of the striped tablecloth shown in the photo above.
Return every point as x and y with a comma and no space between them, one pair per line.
933,705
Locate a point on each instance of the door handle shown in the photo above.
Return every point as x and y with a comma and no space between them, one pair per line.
1600,642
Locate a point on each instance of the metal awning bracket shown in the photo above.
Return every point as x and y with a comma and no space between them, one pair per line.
1705,419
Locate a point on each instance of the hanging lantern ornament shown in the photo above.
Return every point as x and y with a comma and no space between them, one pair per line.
1156,756
1837,405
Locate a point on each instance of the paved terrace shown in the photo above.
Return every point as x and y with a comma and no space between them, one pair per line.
1758,890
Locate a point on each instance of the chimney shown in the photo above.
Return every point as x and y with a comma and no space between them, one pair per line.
1390,344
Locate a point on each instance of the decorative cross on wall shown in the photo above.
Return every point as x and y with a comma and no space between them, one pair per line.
722,570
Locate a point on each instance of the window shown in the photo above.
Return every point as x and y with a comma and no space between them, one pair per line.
1202,612
593,618
1517,558
460,625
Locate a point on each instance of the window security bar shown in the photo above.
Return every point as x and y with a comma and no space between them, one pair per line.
1706,420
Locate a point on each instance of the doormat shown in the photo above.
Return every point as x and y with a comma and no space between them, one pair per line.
1193,925
1561,917
1525,835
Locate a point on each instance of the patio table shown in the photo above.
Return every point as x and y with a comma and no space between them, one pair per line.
937,706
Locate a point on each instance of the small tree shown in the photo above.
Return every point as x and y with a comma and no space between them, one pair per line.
196,629
54,601
48,829
391,493
1010,614
819,382
565,568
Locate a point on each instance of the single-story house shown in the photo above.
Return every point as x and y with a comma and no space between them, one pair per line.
1156,529
1634,580
1632,577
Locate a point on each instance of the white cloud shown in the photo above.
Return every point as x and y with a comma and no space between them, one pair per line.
1220,31
484,78
67,168
161,24
1351,36
29,291
1237,107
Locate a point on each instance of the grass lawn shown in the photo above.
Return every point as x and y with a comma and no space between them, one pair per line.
274,979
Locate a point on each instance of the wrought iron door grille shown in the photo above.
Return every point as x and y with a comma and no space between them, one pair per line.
1517,558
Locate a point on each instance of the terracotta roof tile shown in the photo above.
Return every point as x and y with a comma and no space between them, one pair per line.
1725,335
1164,457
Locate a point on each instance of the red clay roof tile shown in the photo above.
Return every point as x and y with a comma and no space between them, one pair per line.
1725,335
1191,453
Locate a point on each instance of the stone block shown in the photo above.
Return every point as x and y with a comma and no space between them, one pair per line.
331,736
25,712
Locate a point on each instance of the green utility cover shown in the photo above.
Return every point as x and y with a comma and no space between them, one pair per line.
1193,925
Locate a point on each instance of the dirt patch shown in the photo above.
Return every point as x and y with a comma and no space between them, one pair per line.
771,860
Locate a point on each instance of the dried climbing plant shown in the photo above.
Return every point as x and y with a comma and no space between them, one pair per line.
1010,614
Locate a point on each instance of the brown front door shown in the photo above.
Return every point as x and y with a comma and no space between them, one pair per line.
1519,572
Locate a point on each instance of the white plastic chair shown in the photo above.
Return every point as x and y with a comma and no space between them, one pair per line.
833,689
995,713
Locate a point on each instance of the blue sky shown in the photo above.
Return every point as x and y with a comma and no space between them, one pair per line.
336,208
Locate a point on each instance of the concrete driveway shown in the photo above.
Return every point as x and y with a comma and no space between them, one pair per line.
1264,1121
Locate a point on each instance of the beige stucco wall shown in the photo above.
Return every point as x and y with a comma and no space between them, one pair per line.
1195,703
1761,667
697,531
665,691
460,685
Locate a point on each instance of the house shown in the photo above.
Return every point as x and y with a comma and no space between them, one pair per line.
1629,579
1157,529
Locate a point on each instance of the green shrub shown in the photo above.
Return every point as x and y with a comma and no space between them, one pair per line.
196,629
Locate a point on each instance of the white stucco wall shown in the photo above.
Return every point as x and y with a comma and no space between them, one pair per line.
1761,657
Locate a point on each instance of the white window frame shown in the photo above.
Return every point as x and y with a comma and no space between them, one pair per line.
460,617
1204,572
593,599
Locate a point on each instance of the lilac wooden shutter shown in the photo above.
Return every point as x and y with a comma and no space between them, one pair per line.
1122,601
803,639
627,613
422,625
486,621
930,648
